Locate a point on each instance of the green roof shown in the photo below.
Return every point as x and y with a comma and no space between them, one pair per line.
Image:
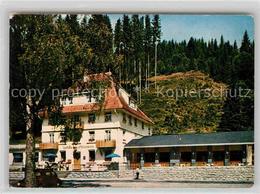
217,138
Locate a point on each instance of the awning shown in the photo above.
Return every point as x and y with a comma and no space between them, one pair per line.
113,156
49,155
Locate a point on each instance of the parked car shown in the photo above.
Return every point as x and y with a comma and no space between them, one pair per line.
44,178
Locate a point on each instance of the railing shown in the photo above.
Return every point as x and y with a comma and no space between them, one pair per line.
48,146
105,143
77,124
134,165
76,166
152,164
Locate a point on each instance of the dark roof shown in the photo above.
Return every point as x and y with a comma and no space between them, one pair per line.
218,138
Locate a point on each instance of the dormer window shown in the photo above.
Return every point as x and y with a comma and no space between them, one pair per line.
70,100
132,104
64,100
88,96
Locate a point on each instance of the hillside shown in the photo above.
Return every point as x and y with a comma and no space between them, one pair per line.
182,103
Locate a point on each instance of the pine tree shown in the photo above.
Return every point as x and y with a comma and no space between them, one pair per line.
119,45
156,40
72,22
148,47
118,37
127,46
100,39
245,45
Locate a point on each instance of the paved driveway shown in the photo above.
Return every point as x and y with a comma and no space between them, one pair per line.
149,184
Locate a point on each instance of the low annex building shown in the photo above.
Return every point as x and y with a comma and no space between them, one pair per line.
219,149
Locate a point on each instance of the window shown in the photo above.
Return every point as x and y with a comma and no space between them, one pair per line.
218,156
18,157
149,157
108,117
124,136
92,155
64,100
92,136
124,118
75,118
91,118
130,120
108,135
149,131
36,157
51,137
202,156
63,137
185,156
70,100
164,157
88,96
63,155
135,122
236,155
142,125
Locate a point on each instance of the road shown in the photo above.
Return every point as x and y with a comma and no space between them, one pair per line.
149,184
144,184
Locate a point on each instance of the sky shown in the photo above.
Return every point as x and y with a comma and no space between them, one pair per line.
182,27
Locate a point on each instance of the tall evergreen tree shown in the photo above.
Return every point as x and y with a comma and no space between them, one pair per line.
148,47
245,45
127,45
156,40
100,39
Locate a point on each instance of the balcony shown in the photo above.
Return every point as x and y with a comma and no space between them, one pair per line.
105,143
77,125
49,146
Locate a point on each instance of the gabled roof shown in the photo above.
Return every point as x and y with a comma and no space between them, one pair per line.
112,101
218,138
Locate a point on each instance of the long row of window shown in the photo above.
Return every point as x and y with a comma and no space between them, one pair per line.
90,97
92,117
108,118
18,157
91,136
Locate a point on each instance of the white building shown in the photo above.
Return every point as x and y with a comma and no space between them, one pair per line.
105,130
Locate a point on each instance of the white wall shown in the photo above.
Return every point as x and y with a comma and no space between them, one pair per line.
116,126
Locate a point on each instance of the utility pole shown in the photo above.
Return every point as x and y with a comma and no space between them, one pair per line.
155,62
140,83
121,49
